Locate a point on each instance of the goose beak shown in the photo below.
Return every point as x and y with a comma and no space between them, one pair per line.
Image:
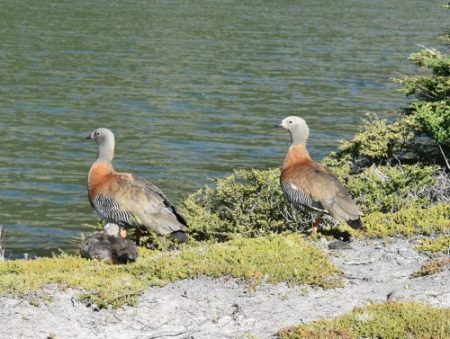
90,137
280,125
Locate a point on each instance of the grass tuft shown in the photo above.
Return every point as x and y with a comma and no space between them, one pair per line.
273,259
391,320
431,268
408,221
440,244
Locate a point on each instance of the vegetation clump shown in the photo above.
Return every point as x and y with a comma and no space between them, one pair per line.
440,244
273,259
379,142
415,136
395,199
408,221
431,267
390,188
391,320
433,86
248,203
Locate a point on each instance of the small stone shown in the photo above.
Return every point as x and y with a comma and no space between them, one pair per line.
393,295
339,245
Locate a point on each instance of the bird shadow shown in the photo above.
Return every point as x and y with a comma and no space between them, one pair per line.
337,234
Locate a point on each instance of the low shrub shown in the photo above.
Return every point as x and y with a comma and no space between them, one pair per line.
247,203
439,244
395,199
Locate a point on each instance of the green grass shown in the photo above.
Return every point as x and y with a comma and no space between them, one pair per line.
391,320
272,259
440,244
408,221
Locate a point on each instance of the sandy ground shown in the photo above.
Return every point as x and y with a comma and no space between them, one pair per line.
225,308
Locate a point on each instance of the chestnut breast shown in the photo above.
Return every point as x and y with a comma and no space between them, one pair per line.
100,175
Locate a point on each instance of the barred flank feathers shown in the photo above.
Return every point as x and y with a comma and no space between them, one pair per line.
126,200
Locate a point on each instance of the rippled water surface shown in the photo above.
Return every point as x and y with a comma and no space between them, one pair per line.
192,89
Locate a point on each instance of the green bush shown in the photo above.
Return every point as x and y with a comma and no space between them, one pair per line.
390,188
434,118
432,111
435,85
439,244
248,203
414,136
378,142
433,60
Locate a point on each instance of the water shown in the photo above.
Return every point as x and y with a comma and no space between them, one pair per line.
191,89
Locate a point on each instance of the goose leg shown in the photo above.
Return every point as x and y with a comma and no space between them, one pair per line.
138,235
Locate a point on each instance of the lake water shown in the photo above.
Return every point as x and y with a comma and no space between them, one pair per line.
192,90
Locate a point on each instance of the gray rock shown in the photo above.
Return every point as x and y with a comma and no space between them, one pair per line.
339,245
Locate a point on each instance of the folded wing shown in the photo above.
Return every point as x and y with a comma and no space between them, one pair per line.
136,202
315,187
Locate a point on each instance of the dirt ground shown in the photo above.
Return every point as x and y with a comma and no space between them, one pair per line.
227,308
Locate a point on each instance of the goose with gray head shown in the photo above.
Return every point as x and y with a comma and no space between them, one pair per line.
312,186
127,200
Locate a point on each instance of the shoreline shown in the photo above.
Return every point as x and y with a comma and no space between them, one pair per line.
228,308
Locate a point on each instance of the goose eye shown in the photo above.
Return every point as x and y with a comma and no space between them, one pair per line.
290,121
97,133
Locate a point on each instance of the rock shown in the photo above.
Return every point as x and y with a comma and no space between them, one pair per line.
339,245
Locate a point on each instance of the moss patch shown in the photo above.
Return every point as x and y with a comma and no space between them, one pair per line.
431,268
440,244
408,221
392,320
274,259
